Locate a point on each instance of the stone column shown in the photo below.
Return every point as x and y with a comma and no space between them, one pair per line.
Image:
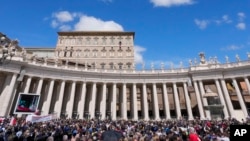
46,105
39,87
113,104
8,96
58,107
92,101
166,101
71,100
81,104
27,85
103,102
124,102
208,114
155,103
7,81
200,107
145,101
177,101
247,83
242,103
222,100
188,102
134,98
227,97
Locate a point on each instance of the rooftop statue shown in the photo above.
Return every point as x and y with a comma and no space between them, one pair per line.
202,58
162,65
237,58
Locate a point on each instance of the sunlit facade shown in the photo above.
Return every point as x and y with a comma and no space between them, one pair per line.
92,75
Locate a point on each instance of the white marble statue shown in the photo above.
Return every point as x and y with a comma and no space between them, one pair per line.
202,58
237,58
162,65
152,65
248,55
143,65
227,59
190,62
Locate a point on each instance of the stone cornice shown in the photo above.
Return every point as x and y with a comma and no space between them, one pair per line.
72,74
96,33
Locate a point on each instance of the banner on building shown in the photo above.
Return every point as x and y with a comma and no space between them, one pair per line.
37,118
27,103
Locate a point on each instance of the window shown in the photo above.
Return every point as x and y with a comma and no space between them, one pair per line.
94,65
79,41
103,65
120,66
128,40
78,52
129,52
61,40
120,52
111,65
95,52
103,52
96,40
88,40
72,41
86,53
112,40
129,65
104,40
65,51
112,52
71,52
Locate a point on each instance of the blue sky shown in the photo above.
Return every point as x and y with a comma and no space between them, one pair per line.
169,31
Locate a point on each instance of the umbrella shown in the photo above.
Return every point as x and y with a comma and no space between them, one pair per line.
111,135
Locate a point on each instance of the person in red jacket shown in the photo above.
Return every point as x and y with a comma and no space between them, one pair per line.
192,135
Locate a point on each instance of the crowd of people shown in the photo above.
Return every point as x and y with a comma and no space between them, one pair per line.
118,130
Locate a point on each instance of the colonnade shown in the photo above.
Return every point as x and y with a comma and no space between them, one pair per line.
125,100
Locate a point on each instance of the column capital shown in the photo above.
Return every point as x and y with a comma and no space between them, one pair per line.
164,83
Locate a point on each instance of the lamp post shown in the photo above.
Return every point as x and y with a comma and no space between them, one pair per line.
8,48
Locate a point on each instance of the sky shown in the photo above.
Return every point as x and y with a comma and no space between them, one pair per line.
168,31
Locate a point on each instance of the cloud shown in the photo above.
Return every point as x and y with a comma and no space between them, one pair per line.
241,26
169,3
138,50
63,16
54,23
232,48
241,16
202,24
96,24
79,21
224,19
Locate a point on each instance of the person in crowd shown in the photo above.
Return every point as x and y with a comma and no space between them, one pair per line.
117,130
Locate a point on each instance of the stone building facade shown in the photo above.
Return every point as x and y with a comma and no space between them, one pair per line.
70,90
105,50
